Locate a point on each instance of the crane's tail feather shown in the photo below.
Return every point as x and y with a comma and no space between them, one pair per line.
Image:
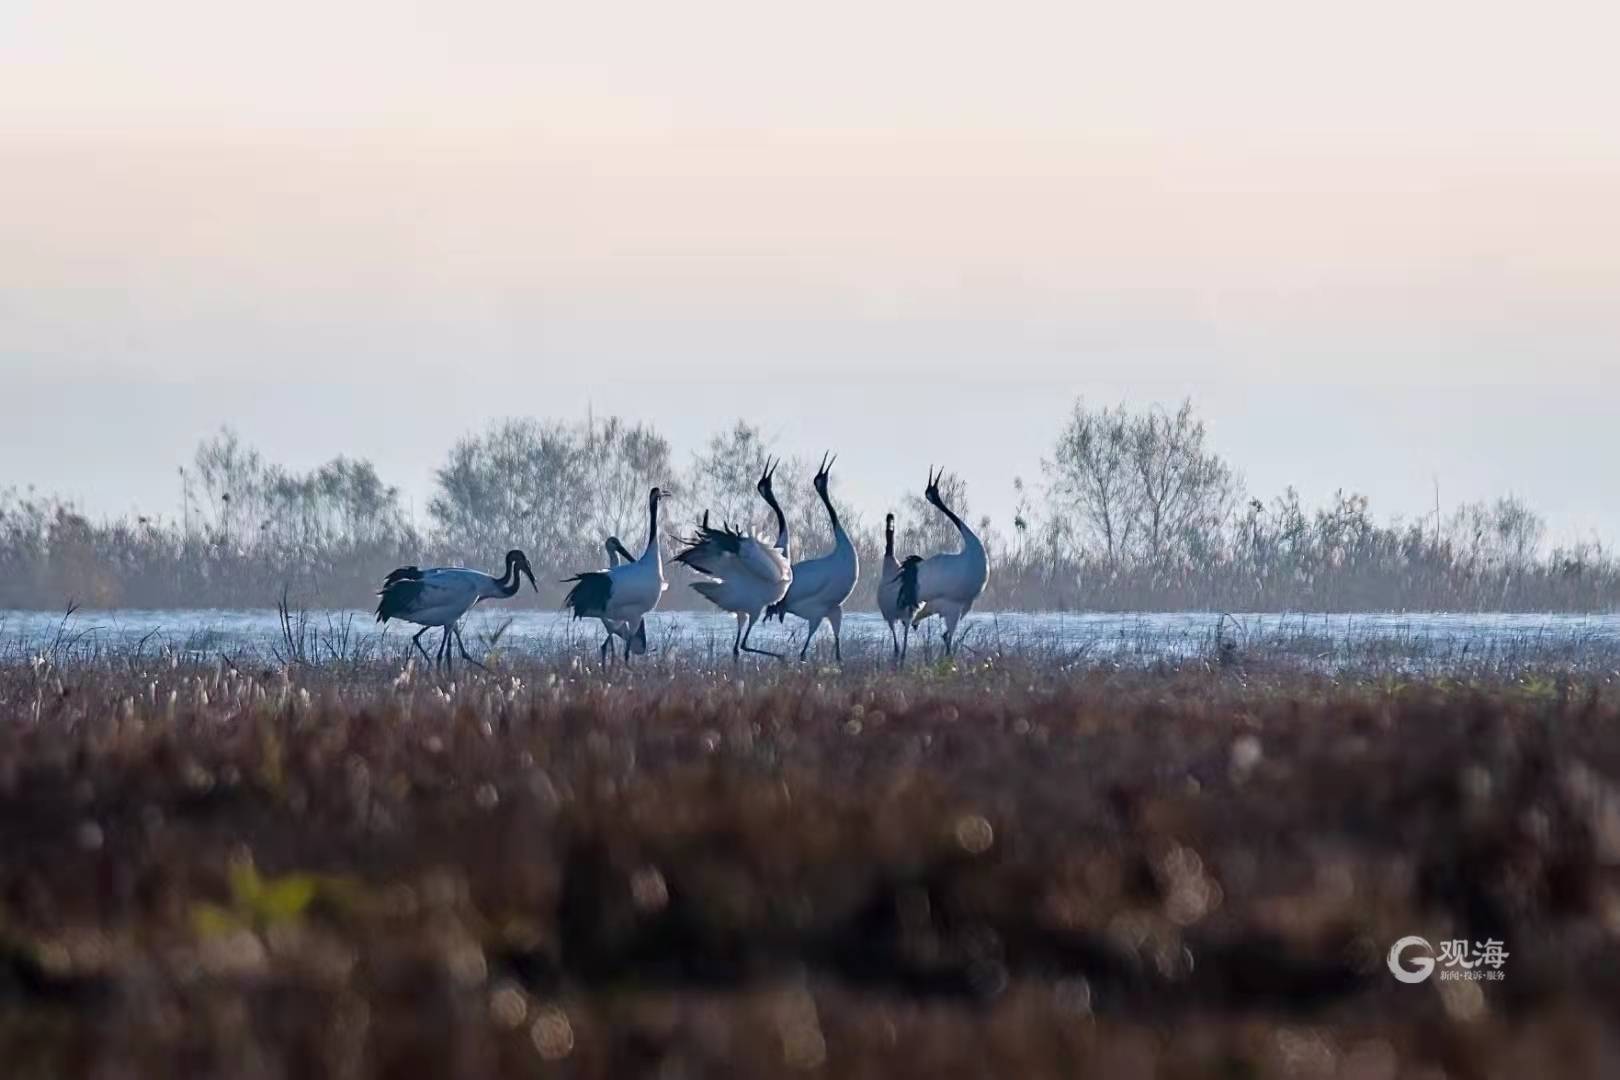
404,573
398,596
907,599
589,596
398,592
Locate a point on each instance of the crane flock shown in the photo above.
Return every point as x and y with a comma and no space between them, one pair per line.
749,576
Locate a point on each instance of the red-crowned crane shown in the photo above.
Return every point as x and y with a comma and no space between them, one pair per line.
946,584
623,594
888,592
821,585
440,596
750,574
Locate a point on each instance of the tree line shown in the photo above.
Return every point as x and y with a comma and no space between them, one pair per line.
1133,510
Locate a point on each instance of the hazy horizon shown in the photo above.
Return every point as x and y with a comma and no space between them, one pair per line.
1377,250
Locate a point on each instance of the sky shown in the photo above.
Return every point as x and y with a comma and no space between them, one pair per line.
1377,244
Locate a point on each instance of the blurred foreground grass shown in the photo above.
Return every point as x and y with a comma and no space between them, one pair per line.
997,870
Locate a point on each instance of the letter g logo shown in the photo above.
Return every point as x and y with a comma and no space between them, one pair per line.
1422,966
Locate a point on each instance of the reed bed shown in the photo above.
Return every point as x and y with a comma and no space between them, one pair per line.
1001,865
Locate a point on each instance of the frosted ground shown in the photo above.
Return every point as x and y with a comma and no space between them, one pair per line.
1409,642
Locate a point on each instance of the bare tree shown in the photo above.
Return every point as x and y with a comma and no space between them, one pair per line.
517,484
232,476
344,503
621,462
1092,478
553,488
1505,535
1186,493
721,477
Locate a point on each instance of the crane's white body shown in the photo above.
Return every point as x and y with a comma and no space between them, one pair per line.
748,573
635,589
821,585
622,595
621,628
446,593
440,596
750,581
946,584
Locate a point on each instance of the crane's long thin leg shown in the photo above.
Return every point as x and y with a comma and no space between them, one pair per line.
628,638
836,621
809,636
906,648
444,647
462,645
736,643
416,640
749,648
607,644
894,636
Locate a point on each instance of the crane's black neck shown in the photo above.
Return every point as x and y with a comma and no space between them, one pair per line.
826,500
652,523
888,539
508,583
781,522
948,512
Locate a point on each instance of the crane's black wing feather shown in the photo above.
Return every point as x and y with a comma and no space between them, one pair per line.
907,599
589,596
404,573
705,547
399,595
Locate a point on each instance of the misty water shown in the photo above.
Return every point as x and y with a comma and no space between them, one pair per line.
1398,641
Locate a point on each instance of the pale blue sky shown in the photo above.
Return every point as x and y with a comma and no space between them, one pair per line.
1377,244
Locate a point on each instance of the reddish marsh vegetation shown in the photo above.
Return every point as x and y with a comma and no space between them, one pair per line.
981,872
